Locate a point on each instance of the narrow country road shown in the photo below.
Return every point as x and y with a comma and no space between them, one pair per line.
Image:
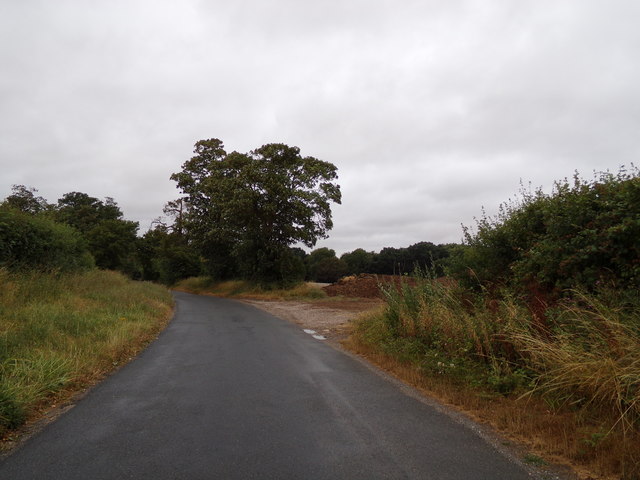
230,392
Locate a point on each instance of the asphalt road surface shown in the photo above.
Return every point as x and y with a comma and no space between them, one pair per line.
230,392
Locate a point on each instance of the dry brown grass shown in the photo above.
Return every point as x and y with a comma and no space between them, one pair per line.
244,289
560,436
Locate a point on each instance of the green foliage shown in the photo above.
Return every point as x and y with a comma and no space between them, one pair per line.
584,234
24,199
166,257
28,241
111,239
84,212
46,236
323,266
12,412
174,262
400,261
113,244
359,261
591,237
244,211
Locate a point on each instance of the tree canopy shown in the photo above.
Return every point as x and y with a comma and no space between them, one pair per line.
246,210
24,199
323,266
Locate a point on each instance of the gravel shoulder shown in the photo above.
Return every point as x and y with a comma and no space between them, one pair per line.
329,318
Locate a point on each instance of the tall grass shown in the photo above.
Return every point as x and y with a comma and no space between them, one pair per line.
244,289
582,361
61,332
590,357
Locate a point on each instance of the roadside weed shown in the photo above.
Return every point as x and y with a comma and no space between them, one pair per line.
60,332
578,371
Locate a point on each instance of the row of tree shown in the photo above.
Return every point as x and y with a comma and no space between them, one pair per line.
79,231
240,215
324,266
90,231
245,215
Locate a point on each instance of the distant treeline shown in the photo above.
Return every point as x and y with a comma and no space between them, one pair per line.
582,235
80,231
585,234
323,265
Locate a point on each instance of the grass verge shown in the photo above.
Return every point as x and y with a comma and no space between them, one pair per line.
244,289
61,333
569,389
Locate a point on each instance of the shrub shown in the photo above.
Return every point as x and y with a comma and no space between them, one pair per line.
582,235
28,241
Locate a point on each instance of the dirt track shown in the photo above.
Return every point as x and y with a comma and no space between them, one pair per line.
348,298
329,318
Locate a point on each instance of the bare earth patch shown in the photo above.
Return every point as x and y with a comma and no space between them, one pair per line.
329,318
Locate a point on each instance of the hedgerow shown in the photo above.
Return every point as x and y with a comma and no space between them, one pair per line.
33,241
583,235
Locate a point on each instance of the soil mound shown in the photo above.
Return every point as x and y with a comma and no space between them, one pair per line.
364,285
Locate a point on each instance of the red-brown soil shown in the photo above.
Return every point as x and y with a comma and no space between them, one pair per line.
364,285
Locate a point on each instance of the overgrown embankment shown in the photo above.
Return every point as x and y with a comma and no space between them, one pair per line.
539,332
571,392
62,332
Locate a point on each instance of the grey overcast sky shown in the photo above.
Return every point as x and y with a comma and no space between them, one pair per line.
429,109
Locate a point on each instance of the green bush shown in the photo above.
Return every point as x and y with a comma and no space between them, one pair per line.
28,241
583,235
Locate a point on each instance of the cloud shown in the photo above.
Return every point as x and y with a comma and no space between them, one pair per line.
430,111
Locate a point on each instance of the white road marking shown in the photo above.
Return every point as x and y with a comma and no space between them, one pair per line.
315,335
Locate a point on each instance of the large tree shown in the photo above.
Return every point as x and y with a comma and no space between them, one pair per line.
246,210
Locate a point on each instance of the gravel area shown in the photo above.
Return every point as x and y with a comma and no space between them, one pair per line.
330,319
